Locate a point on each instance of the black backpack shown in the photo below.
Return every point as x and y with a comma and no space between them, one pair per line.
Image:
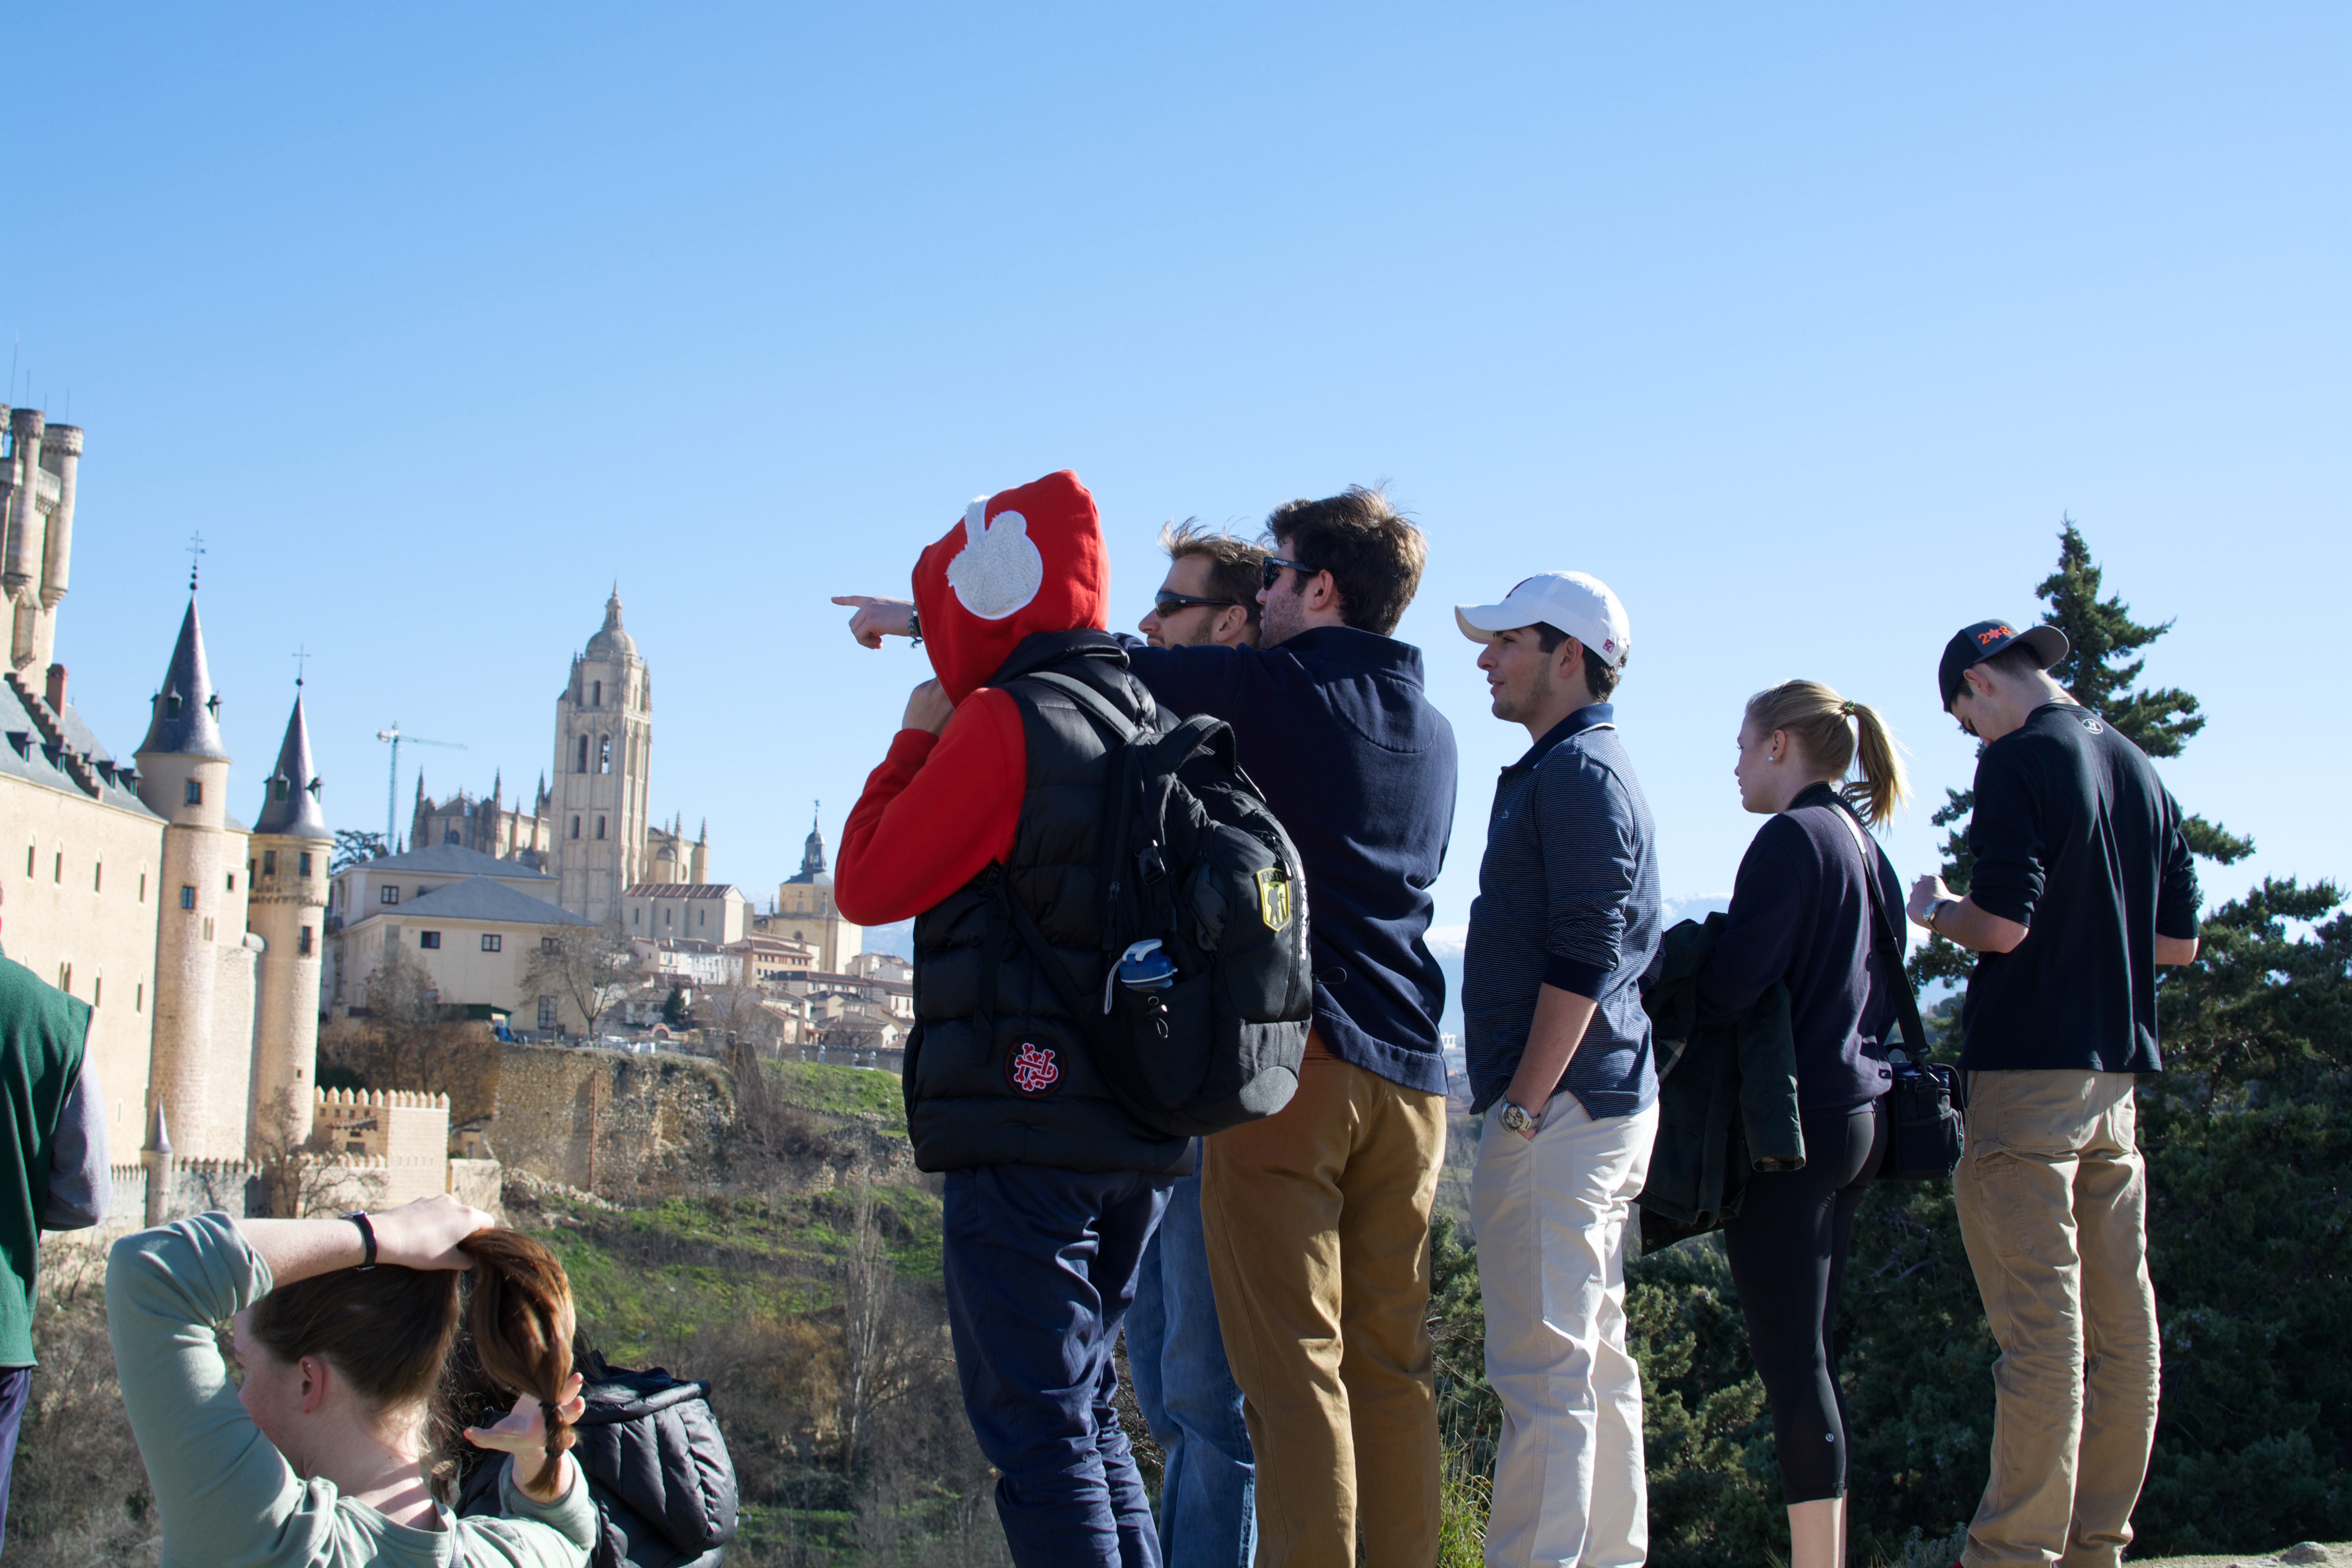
657,1471
1194,860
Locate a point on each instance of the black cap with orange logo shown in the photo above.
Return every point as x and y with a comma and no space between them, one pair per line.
1971,645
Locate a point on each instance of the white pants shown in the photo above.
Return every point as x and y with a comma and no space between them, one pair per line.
1550,1214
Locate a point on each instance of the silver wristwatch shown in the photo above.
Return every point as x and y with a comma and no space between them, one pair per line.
1516,1118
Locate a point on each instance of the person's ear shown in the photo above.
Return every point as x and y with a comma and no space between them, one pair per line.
1975,681
1568,659
314,1384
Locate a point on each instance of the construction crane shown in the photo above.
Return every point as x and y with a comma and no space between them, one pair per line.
392,791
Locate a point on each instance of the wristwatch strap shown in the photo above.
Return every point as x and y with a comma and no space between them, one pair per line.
367,1234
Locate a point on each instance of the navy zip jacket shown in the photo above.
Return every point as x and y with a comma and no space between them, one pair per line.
1568,896
1334,727
1800,912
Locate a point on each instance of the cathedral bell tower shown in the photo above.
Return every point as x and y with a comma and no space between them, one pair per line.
604,764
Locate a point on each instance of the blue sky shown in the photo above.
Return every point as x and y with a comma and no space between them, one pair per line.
1802,326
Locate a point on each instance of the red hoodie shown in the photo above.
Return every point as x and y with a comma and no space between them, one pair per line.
941,807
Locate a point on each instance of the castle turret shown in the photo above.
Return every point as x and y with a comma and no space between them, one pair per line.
184,778
291,844
37,501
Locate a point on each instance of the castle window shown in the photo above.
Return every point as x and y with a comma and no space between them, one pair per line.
596,694
549,944
390,895
279,787
270,862
306,863
547,1012
580,766
431,939
664,917
195,792
448,835
600,828
492,942
142,887
187,897
209,928
97,989
64,978
30,850
604,755
575,821
138,996
58,870
171,706
304,948
633,914
232,881
702,917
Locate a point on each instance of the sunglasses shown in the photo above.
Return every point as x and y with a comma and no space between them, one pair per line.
1275,563
1167,604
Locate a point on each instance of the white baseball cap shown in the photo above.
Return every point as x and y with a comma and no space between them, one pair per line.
1579,606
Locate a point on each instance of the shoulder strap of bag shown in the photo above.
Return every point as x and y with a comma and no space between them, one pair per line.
1907,1004
1090,702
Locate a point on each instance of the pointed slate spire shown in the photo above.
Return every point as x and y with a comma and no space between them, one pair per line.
291,807
187,710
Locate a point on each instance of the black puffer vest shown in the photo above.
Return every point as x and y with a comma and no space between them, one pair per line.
997,1071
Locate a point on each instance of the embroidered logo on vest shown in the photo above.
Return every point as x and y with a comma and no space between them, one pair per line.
1033,1070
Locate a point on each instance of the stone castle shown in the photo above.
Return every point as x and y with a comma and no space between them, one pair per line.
196,938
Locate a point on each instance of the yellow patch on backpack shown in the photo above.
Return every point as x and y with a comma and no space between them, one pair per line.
1272,897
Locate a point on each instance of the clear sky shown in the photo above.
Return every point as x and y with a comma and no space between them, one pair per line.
1803,326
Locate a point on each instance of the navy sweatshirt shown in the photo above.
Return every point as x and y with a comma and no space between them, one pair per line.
1334,727
1800,912
1568,896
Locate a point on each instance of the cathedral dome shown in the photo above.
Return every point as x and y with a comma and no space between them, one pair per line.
611,642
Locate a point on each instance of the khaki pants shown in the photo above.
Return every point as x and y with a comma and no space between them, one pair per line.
1551,1213
2053,1199
1317,1222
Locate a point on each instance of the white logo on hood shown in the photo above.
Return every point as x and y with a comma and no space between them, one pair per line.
998,571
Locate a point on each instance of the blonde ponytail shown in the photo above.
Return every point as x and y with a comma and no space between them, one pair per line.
1814,719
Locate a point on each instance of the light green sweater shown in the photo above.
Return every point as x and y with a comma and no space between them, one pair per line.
229,1499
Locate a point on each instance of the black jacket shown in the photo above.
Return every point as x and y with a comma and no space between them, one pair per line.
1727,1093
997,1070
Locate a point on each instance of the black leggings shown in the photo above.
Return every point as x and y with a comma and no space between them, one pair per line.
1788,1257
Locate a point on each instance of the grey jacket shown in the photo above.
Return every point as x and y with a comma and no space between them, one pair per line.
1568,894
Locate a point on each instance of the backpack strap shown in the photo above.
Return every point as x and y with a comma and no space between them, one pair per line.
1907,1004
1091,702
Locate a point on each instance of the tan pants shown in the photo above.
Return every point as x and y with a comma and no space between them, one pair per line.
1316,1222
2052,1198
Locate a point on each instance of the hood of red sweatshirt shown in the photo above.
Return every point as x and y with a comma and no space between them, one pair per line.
1022,561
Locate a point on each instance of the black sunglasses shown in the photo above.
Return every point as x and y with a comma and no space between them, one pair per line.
1273,568
1168,603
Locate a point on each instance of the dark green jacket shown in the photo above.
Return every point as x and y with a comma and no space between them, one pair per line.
1727,1096
42,1032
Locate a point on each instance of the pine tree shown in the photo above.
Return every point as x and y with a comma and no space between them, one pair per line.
2097,672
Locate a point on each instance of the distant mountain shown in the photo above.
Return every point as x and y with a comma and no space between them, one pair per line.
899,939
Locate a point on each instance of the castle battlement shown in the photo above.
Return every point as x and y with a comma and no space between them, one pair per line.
380,1100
